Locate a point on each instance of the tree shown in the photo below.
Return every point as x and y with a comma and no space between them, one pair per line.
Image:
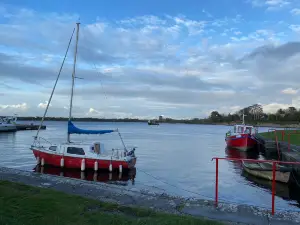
256,110
215,116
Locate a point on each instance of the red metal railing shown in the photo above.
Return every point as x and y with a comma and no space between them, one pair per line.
274,163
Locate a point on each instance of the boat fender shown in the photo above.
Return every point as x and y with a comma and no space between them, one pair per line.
110,167
38,160
96,166
62,162
42,162
110,176
82,164
120,168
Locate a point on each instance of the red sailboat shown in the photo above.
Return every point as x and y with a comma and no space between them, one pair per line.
241,137
79,155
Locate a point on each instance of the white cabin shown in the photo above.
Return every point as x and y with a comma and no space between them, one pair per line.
244,129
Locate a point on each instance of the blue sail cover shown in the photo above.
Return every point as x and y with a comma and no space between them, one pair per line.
74,130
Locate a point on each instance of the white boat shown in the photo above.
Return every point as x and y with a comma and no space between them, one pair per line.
8,124
81,155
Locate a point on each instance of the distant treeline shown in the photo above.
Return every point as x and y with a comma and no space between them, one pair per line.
254,114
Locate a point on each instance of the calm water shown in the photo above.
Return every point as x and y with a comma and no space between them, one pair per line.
168,155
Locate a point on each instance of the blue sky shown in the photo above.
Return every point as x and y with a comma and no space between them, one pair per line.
146,58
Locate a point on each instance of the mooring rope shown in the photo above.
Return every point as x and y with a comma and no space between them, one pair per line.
173,185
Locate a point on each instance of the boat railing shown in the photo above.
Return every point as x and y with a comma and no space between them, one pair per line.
274,164
118,153
38,141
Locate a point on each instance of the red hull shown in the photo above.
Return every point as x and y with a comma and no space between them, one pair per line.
75,162
241,142
87,175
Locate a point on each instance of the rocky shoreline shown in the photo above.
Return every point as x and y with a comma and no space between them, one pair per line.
229,213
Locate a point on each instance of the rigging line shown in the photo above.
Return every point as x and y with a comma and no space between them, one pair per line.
63,62
122,140
105,95
173,185
295,178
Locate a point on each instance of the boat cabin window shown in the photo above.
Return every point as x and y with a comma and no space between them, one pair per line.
240,129
75,150
248,130
53,148
97,148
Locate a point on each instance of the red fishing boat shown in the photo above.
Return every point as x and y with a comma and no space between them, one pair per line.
79,155
241,137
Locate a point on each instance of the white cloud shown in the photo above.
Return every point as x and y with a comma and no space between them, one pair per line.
295,28
273,107
22,106
44,105
9,110
147,65
270,4
295,11
289,91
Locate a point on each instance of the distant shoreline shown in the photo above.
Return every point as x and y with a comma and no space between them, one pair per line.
168,121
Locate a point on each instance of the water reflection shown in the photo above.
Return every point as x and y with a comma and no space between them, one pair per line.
7,137
234,153
122,179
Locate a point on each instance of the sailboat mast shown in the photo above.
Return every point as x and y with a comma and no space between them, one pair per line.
73,76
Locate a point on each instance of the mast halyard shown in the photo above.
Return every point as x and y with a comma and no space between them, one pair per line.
73,77
48,103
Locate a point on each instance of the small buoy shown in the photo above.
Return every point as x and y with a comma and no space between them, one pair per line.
62,162
82,175
38,160
120,176
42,162
120,168
110,176
96,166
82,165
110,168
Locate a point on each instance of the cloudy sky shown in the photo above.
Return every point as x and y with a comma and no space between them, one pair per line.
143,59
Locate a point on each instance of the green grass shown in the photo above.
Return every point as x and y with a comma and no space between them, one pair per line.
25,205
288,134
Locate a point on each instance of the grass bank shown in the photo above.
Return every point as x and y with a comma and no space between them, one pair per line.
22,204
293,135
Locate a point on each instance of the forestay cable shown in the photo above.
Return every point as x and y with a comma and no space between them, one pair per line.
48,103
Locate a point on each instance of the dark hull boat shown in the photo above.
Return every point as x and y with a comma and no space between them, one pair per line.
265,170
